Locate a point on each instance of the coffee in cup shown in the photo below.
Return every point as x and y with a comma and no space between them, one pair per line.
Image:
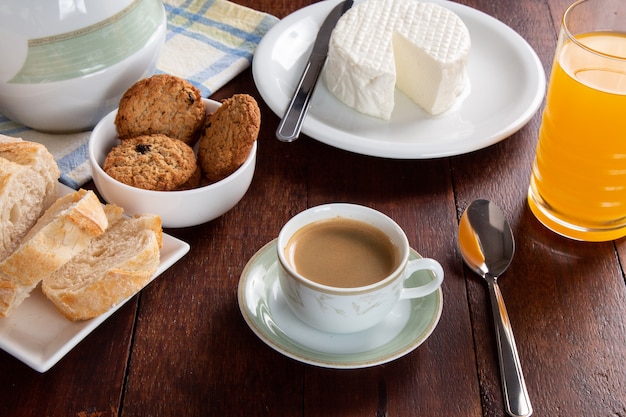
343,267
354,253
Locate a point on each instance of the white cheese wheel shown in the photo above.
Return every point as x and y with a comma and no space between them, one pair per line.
420,48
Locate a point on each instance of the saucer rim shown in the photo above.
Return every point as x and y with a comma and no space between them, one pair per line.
270,339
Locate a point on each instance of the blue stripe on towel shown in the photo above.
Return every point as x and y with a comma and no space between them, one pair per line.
69,163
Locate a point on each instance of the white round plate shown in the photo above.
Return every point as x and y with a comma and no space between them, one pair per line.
507,86
266,312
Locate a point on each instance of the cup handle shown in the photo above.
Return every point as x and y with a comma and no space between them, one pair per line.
423,290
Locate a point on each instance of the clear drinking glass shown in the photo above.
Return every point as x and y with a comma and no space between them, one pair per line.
578,182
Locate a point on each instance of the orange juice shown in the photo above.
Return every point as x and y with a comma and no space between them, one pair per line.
578,183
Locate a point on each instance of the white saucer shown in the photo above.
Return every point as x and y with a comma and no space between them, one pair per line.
262,305
507,86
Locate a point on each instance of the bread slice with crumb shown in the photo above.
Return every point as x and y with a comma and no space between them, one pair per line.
28,180
19,197
37,157
64,230
114,266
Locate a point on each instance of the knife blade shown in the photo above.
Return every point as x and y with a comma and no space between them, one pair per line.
291,123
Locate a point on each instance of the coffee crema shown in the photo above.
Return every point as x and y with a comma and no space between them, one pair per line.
342,253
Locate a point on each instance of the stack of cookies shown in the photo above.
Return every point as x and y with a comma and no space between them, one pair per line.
158,122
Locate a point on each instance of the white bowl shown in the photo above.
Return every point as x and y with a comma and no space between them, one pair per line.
176,208
66,65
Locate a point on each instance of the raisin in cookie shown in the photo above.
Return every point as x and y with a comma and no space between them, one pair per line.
151,162
162,104
228,136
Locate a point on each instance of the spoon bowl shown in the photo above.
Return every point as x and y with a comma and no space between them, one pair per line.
487,246
486,239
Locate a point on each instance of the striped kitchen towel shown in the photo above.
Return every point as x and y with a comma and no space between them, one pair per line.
208,42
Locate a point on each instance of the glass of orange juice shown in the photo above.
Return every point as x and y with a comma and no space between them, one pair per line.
578,182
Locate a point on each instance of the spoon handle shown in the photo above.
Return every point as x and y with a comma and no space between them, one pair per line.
516,397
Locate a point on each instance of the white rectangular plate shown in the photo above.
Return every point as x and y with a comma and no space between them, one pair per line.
38,335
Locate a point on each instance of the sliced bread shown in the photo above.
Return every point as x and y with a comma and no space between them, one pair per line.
37,157
115,266
19,194
28,179
64,230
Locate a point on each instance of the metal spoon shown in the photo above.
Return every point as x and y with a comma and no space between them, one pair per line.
487,246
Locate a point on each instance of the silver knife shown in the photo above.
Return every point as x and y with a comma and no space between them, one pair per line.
291,123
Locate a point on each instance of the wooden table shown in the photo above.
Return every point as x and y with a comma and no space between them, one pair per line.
182,347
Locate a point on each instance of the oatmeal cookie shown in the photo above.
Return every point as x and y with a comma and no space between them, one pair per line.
162,104
228,136
151,162
193,181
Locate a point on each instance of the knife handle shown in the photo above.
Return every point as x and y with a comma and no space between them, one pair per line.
291,123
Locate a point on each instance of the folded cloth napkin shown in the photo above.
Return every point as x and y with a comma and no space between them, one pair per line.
208,43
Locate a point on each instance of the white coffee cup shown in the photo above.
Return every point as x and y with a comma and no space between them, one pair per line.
337,309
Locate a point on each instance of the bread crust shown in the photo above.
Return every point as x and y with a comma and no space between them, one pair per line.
57,231
64,230
28,179
114,266
37,157
21,198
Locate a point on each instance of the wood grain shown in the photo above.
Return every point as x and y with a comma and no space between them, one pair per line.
182,348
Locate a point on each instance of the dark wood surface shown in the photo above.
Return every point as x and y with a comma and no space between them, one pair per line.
182,348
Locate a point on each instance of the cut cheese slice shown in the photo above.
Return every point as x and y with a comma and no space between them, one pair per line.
420,48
